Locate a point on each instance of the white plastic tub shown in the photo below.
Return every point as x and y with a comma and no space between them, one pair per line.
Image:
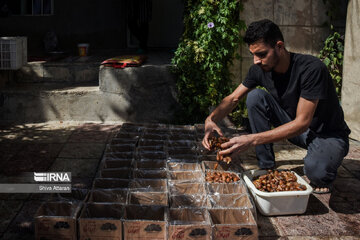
278,203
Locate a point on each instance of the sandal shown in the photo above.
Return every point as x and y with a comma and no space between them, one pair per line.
316,189
321,190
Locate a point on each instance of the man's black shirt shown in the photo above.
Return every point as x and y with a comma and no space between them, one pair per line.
306,77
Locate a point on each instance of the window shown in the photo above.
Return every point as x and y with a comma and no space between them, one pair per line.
31,7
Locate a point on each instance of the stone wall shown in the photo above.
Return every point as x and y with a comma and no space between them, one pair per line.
301,21
351,81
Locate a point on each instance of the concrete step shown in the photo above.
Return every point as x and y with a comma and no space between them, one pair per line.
74,69
41,102
70,69
69,90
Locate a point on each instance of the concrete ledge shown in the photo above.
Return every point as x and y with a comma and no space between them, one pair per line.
69,90
115,80
58,72
28,104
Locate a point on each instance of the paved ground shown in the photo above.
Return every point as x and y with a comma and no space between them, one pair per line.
60,146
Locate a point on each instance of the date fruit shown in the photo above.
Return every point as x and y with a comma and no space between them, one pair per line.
215,144
277,181
221,177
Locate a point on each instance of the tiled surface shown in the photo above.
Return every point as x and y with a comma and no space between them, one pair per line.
8,210
30,135
89,136
352,165
79,148
266,226
81,168
82,150
343,172
32,157
309,225
7,151
98,127
38,150
24,220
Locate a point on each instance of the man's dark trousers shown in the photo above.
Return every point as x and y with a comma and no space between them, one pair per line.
325,152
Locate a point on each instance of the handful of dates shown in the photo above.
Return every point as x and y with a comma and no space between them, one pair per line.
276,181
215,145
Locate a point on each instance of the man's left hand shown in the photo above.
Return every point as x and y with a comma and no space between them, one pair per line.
236,145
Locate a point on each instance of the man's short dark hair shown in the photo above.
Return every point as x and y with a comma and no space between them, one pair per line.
264,29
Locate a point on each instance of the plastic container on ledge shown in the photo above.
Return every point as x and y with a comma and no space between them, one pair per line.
83,49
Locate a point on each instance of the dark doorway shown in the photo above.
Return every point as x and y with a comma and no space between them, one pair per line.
166,26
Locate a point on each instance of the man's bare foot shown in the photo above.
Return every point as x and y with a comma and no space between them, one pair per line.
323,190
317,190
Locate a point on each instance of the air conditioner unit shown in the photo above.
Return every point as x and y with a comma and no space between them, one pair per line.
13,52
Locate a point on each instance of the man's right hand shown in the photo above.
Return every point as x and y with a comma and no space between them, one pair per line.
223,109
210,128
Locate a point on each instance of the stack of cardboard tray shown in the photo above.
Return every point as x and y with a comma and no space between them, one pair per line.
151,185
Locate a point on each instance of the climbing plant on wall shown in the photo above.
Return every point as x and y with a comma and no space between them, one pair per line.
332,55
207,47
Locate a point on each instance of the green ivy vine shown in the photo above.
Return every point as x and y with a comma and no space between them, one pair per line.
332,55
206,49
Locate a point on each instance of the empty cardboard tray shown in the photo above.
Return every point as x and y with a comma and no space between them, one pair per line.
189,223
123,148
122,173
149,185
77,194
151,155
233,224
186,187
148,198
181,166
148,143
101,221
150,174
196,176
111,183
57,220
189,200
122,163
181,144
145,222
232,201
109,195
118,155
151,164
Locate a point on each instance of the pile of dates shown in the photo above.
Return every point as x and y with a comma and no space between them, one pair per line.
215,145
221,177
277,181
